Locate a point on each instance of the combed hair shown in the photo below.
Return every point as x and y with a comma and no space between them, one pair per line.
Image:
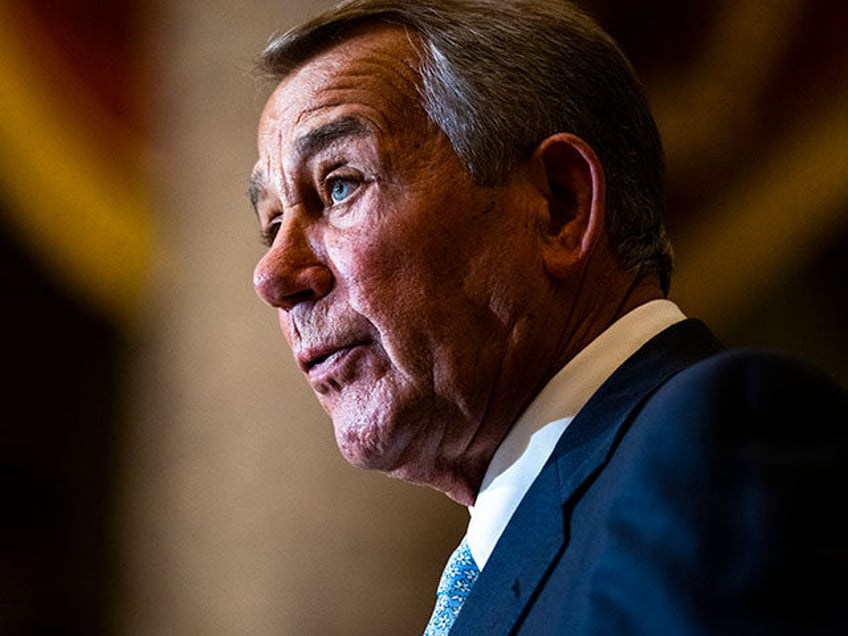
500,76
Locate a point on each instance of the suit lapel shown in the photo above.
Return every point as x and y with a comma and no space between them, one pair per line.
536,534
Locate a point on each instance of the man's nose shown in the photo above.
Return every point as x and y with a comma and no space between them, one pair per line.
291,272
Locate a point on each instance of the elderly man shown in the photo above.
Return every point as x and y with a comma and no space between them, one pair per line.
462,203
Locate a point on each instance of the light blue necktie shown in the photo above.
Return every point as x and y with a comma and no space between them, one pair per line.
457,578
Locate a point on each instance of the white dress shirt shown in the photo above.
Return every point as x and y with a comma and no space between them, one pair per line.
521,455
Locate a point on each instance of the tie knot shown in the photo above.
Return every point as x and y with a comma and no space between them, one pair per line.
457,578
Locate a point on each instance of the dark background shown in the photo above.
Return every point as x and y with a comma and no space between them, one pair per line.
64,355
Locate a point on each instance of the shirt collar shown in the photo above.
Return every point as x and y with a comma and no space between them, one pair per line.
521,455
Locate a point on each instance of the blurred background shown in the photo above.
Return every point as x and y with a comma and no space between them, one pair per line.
164,470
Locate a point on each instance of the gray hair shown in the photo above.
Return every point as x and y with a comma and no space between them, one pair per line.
499,76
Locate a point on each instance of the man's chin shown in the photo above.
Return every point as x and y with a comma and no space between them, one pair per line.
387,450
367,450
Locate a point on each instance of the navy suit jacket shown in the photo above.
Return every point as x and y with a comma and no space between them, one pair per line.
699,491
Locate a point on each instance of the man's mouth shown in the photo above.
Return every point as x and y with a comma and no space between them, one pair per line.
324,359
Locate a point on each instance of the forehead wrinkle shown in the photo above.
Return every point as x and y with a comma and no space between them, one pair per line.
267,181
394,79
398,71
380,80
393,108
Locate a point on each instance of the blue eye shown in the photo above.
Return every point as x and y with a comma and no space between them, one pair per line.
341,189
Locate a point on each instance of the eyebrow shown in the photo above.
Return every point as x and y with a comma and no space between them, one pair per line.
310,144
318,139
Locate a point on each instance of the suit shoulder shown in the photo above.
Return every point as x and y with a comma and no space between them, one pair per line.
760,375
756,388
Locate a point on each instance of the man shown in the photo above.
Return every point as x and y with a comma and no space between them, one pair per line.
462,203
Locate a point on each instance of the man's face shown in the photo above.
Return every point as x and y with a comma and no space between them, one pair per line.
398,280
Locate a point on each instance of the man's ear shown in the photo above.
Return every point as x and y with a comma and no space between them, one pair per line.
572,181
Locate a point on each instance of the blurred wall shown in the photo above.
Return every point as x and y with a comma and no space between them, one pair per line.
74,241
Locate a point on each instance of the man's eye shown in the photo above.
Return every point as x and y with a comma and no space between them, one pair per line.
269,232
341,189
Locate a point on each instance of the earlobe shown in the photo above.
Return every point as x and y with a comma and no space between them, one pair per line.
572,180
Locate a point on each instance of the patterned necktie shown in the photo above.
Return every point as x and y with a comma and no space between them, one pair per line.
458,577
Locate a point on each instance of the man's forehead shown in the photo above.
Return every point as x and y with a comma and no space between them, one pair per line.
377,64
361,42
